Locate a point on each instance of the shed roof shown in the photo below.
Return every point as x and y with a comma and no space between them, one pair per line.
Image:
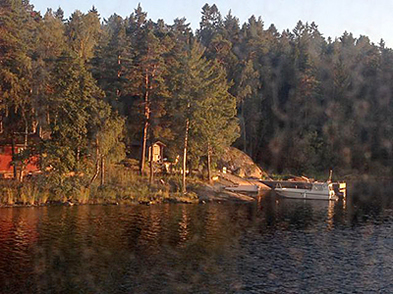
159,143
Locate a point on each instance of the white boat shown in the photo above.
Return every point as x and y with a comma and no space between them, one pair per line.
318,191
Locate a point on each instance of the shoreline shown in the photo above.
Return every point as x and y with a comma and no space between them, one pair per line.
139,192
203,193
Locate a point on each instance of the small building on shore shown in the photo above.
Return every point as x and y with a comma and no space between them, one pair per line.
158,148
158,152
8,150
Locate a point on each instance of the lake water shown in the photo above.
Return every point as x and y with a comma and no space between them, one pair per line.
270,246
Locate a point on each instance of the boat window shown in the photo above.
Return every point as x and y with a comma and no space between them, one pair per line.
319,187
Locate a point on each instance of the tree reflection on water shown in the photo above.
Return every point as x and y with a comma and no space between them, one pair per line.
272,245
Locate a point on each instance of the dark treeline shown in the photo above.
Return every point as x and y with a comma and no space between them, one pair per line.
92,87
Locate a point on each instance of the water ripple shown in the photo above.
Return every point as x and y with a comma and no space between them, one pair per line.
273,246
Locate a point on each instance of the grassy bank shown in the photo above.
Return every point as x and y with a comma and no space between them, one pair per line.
122,186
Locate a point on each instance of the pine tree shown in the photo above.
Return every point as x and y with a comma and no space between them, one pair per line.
83,32
73,107
184,84
210,23
18,24
51,43
215,125
247,88
112,61
15,71
206,112
147,75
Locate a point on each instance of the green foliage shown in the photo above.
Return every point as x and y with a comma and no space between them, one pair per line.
214,121
83,33
112,60
72,107
89,87
17,25
109,135
201,97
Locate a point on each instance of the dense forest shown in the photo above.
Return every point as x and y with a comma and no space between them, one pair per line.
294,101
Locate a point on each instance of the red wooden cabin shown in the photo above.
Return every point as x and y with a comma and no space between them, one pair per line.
6,167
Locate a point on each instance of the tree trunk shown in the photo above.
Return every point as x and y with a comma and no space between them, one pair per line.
21,174
22,164
243,122
13,156
78,152
209,175
118,92
151,174
102,170
146,126
97,171
143,151
184,189
26,134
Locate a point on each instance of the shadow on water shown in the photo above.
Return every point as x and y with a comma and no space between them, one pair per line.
272,245
371,200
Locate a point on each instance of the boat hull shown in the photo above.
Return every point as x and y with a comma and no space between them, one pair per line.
305,194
